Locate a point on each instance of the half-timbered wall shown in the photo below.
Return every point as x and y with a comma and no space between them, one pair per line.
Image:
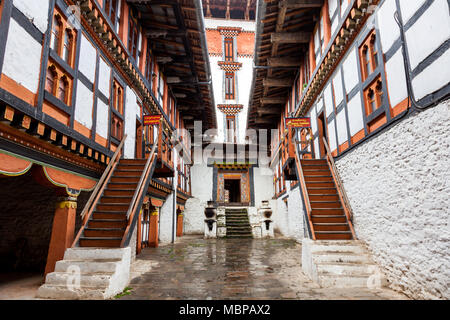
387,158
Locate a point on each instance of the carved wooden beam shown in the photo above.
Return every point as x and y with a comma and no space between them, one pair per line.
268,82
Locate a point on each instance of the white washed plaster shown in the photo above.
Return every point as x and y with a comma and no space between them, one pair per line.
84,104
344,6
355,115
263,184
389,30
88,57
332,135
396,79
341,127
131,110
245,25
328,99
432,78
351,75
104,78
22,65
405,223
36,11
166,220
338,90
102,119
409,8
334,25
429,32
332,6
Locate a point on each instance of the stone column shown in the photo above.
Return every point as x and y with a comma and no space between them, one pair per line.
63,231
153,233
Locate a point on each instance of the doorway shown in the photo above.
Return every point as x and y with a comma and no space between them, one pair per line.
233,186
322,134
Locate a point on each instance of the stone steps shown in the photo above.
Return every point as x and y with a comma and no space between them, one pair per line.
237,224
340,264
87,273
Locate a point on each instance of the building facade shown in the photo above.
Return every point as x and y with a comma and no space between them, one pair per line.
372,77
77,80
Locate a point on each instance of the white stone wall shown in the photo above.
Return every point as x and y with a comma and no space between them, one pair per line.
165,220
399,186
263,183
202,187
84,104
288,219
21,65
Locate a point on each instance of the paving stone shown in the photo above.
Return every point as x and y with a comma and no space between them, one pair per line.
245,269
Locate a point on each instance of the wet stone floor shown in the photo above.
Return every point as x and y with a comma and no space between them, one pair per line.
218,269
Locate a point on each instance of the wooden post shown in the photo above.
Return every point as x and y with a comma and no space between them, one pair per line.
63,231
153,233
179,223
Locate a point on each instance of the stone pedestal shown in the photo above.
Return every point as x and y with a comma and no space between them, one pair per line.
221,223
267,228
255,222
210,229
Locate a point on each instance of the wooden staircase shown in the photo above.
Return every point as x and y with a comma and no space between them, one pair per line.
327,212
107,224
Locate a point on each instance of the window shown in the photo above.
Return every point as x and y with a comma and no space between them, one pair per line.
374,96
117,108
369,55
62,89
149,65
67,48
160,88
56,32
110,7
229,50
133,37
50,80
229,86
117,97
231,129
62,38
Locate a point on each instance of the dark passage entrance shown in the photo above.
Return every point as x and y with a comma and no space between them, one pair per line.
234,190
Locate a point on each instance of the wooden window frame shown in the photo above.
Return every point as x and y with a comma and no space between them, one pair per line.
231,129
230,86
133,36
229,49
378,96
112,11
59,40
369,48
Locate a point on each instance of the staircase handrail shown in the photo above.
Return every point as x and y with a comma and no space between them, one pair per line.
139,189
99,187
340,186
304,190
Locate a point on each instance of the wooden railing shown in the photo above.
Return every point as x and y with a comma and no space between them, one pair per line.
340,186
98,190
137,199
165,147
304,191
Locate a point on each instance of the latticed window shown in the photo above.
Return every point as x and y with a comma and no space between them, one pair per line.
369,56
231,129
229,86
67,47
56,32
133,38
62,89
111,10
374,96
50,80
229,50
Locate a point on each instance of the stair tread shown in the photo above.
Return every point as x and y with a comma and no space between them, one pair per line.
333,232
109,220
103,229
100,238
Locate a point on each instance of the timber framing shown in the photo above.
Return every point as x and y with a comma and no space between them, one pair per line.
179,43
284,29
